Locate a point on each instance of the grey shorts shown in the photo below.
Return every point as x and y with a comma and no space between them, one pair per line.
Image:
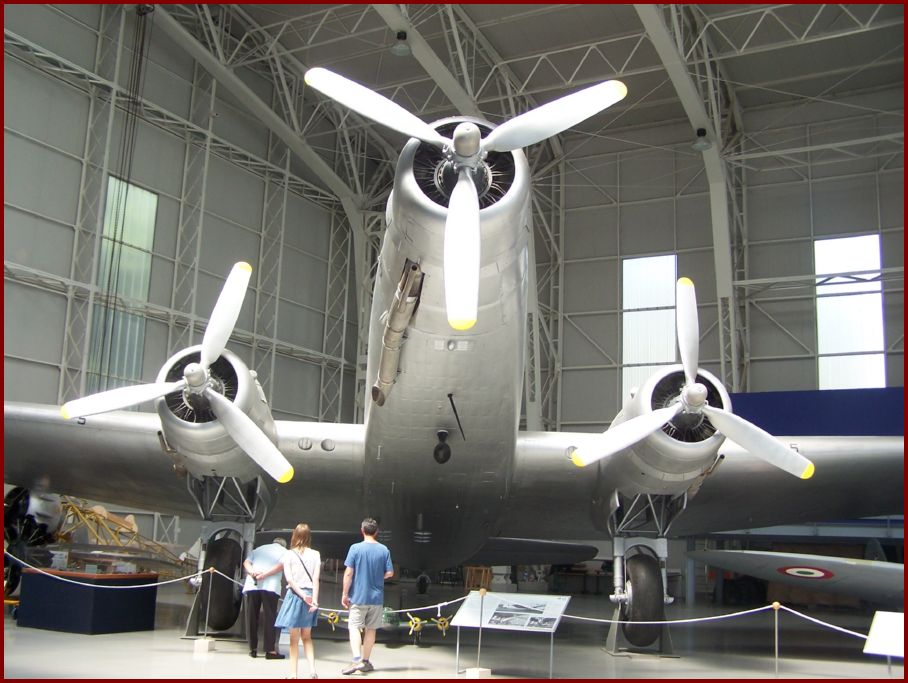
366,616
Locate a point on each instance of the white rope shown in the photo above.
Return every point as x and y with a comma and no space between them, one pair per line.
823,623
100,585
674,621
435,607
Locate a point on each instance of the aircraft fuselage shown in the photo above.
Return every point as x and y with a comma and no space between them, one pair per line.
435,515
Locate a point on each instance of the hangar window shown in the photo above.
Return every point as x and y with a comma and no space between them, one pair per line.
648,317
124,273
849,313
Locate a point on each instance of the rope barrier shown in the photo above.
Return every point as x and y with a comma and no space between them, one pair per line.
823,623
94,585
415,623
211,570
669,622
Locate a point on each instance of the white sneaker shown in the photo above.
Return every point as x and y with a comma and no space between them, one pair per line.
353,668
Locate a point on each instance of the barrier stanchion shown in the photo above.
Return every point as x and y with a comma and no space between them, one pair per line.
775,610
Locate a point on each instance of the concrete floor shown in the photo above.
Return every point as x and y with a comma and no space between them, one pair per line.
740,647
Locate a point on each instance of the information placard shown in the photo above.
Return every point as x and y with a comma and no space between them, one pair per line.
887,635
538,613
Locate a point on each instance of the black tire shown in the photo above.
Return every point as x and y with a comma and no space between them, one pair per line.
422,584
644,579
225,555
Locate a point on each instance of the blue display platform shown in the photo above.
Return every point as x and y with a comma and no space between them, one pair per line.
49,603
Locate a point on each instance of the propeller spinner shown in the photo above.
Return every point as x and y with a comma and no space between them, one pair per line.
466,150
692,399
197,379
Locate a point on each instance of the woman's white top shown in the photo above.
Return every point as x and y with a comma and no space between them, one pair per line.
293,567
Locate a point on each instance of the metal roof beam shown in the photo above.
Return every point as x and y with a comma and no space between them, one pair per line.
252,102
652,19
430,61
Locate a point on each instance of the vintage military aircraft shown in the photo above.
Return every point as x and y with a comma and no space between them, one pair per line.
440,460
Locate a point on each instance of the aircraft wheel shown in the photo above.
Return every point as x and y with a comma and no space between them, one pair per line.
225,555
422,584
644,592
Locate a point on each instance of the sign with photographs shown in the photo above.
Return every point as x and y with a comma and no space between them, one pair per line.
512,611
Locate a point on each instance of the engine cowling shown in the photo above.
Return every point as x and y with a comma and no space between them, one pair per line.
192,429
670,459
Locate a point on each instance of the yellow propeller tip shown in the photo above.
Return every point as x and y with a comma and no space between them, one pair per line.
808,473
462,324
242,265
285,477
577,460
685,281
65,412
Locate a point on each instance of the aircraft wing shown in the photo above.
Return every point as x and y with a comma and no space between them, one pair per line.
117,457
856,476
880,582
511,551
113,457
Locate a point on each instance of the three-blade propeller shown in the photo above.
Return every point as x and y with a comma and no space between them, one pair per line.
466,150
692,399
197,380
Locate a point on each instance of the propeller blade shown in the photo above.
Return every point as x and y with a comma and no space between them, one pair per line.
554,117
225,313
759,443
622,436
249,437
688,327
115,399
462,254
373,106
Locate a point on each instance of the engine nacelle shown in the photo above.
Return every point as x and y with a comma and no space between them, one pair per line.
192,429
670,459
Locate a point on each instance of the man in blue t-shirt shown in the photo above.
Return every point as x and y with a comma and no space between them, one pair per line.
368,564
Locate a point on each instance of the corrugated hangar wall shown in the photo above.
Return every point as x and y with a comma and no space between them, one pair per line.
224,194
620,200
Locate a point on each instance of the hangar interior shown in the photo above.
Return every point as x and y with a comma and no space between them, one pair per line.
755,142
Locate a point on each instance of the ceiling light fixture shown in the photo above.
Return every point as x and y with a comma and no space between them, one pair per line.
401,48
701,144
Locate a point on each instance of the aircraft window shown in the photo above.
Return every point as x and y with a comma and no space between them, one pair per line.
850,339
648,317
124,272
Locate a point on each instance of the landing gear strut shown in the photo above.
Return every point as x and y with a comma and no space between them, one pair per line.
639,526
240,508
639,582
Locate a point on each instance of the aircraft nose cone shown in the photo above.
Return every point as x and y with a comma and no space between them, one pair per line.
466,139
194,374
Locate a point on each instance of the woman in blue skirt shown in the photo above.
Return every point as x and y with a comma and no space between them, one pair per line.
299,610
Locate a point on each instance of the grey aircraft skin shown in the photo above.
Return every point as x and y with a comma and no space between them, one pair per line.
500,489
